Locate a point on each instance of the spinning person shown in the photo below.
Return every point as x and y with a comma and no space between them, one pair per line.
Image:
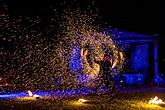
103,66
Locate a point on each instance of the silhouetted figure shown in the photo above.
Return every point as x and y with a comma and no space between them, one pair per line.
103,68
105,75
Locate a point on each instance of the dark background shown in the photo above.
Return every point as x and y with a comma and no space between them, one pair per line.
136,15
141,16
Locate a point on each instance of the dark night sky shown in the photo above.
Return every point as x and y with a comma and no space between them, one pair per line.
145,17
138,16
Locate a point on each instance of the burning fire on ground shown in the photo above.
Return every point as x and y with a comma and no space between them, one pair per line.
32,95
156,100
82,100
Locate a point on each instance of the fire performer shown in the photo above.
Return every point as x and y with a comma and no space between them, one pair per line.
106,70
103,66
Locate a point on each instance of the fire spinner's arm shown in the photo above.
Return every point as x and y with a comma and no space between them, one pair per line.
86,67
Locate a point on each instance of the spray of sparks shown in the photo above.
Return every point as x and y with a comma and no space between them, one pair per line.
35,61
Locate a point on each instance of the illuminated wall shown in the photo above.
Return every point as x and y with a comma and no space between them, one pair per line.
139,60
75,59
76,66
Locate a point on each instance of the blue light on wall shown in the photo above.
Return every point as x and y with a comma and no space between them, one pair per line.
76,66
75,59
120,34
139,60
132,79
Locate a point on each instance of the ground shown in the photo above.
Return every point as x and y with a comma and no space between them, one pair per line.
135,99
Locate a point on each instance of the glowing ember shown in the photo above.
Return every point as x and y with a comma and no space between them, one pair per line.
156,101
31,94
82,100
35,95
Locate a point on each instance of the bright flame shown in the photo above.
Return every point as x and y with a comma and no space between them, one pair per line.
35,95
82,100
30,93
156,101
